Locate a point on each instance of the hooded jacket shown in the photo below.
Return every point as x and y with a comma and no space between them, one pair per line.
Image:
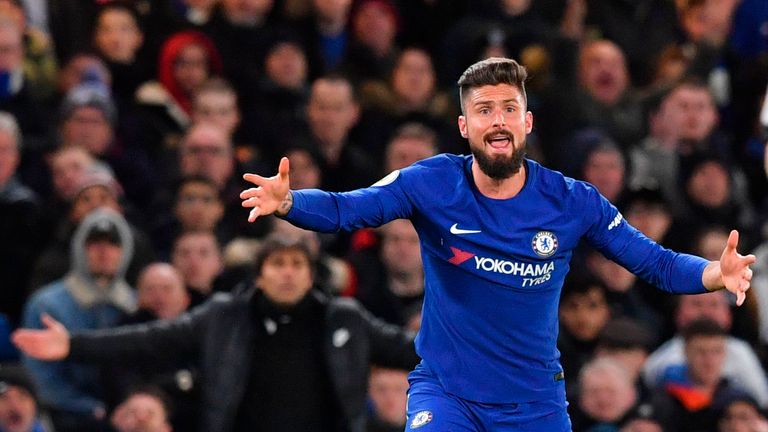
79,304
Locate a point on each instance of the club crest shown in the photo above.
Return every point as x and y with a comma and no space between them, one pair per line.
544,244
421,418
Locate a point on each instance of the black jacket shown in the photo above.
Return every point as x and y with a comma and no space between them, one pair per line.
220,332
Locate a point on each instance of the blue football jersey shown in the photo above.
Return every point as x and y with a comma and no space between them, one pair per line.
494,268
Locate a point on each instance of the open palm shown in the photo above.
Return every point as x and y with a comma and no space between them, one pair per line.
270,192
49,343
734,268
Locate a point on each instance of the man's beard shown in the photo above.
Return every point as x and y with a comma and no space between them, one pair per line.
500,167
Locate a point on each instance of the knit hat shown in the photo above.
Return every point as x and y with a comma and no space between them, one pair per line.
93,95
15,375
99,174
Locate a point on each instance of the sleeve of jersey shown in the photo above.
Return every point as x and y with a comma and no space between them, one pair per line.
671,271
328,212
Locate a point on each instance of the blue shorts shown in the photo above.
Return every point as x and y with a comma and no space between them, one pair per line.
431,409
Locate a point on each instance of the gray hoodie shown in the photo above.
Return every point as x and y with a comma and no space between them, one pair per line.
79,280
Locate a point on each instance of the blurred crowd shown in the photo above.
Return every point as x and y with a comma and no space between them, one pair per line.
125,128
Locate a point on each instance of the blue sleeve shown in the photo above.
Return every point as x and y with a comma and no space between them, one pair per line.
674,272
322,211
52,377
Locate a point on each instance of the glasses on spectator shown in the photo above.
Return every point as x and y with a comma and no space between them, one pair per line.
188,199
198,150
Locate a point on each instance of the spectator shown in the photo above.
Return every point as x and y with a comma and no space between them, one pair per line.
606,396
647,210
97,188
94,294
161,296
278,356
332,112
742,367
711,193
689,393
88,118
627,26
143,410
410,94
197,207
387,392
19,409
584,312
623,290
161,292
197,256
305,171
82,67
196,12
682,122
20,222
215,101
604,167
741,413
16,95
593,92
206,150
326,34
760,290
118,39
372,49
278,99
410,143
187,59
39,62
391,283
241,30
68,165
627,342
193,217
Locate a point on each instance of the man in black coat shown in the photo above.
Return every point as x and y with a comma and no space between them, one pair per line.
277,357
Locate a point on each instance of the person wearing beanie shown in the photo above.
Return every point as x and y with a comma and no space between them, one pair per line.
19,410
96,188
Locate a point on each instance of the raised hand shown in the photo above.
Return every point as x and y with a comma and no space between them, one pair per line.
271,194
734,268
50,343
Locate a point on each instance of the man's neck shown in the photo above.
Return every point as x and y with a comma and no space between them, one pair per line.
498,188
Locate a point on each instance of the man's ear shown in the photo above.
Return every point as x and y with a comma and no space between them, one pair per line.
463,126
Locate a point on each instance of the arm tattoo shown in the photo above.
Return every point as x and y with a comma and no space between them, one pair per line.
285,206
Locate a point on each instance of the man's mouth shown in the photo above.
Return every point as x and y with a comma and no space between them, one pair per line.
14,418
499,141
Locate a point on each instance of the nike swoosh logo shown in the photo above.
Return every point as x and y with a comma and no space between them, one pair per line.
456,230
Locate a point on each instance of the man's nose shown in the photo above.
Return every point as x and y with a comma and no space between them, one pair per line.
498,118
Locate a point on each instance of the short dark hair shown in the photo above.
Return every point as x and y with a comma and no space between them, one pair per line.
274,243
154,392
580,284
124,6
702,327
624,334
195,179
493,71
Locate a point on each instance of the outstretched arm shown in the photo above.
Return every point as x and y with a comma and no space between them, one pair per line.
271,194
49,343
732,272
